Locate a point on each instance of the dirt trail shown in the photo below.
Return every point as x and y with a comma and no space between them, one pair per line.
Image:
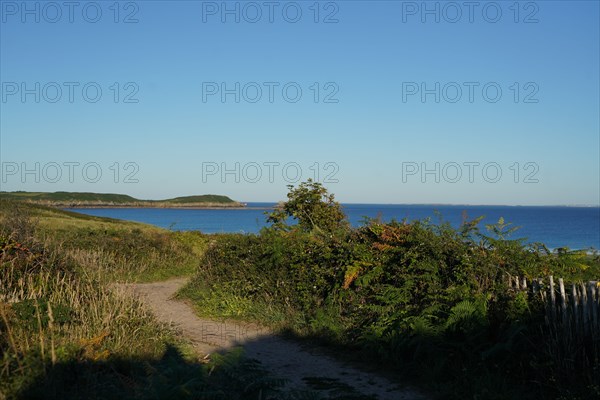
283,358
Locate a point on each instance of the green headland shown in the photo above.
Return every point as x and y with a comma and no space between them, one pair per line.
100,200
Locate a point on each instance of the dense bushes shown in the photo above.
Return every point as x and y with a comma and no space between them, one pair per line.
430,300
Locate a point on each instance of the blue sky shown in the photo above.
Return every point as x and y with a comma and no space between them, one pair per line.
407,108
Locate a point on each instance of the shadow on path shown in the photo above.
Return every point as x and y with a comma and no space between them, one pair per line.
301,367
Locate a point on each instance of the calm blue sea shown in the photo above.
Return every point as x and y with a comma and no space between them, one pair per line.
573,227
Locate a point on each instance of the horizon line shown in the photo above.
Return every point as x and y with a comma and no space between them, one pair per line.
350,202
450,204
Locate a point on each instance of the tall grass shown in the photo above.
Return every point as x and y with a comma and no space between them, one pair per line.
50,313
129,254
66,331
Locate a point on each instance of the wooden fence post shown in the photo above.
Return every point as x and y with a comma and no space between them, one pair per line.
552,298
575,302
540,283
585,307
563,301
593,305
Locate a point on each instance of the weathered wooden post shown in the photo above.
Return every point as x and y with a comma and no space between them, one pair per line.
593,306
585,307
575,302
563,302
552,299
540,282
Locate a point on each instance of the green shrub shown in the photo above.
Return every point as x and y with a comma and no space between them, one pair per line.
430,300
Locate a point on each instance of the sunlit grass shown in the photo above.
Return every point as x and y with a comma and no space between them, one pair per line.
113,249
68,331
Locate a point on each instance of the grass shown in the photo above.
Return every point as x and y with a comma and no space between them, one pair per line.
53,314
66,331
222,302
112,249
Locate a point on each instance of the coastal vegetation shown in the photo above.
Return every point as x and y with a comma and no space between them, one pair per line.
68,331
83,199
430,302
422,302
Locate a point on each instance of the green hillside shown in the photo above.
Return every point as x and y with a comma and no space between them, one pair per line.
205,198
68,196
86,199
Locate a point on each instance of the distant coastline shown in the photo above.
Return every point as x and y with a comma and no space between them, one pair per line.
111,200
210,206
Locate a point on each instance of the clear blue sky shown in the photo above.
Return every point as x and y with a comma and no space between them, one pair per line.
375,61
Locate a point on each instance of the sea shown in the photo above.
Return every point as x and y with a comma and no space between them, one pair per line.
555,226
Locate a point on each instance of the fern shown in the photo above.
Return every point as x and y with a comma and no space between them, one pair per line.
422,326
466,315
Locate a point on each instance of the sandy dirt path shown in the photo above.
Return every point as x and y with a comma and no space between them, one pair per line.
284,358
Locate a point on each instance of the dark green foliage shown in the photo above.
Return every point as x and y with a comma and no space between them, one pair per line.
429,300
28,312
75,197
206,198
312,207
67,196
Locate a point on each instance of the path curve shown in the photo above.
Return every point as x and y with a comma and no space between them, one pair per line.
284,358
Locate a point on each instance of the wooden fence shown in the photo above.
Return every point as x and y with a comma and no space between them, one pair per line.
574,307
